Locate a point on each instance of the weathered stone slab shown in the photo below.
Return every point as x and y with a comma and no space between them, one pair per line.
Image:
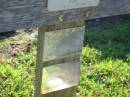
15,14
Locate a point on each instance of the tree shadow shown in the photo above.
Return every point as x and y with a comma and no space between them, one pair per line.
4,35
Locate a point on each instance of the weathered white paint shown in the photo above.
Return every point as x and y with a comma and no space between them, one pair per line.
56,5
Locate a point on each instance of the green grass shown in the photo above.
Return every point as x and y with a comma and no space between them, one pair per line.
105,68
17,71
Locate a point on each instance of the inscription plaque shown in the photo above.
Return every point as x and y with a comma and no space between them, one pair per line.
56,5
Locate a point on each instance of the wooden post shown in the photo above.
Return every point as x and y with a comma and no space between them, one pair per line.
59,47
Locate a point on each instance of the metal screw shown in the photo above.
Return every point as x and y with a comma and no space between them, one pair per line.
61,18
88,13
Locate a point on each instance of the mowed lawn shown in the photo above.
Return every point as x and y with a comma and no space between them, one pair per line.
105,67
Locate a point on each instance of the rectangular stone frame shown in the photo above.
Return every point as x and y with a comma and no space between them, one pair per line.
68,92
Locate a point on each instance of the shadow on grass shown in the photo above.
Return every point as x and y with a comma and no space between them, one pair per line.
112,38
4,35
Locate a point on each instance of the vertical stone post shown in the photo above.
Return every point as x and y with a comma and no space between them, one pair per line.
58,62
